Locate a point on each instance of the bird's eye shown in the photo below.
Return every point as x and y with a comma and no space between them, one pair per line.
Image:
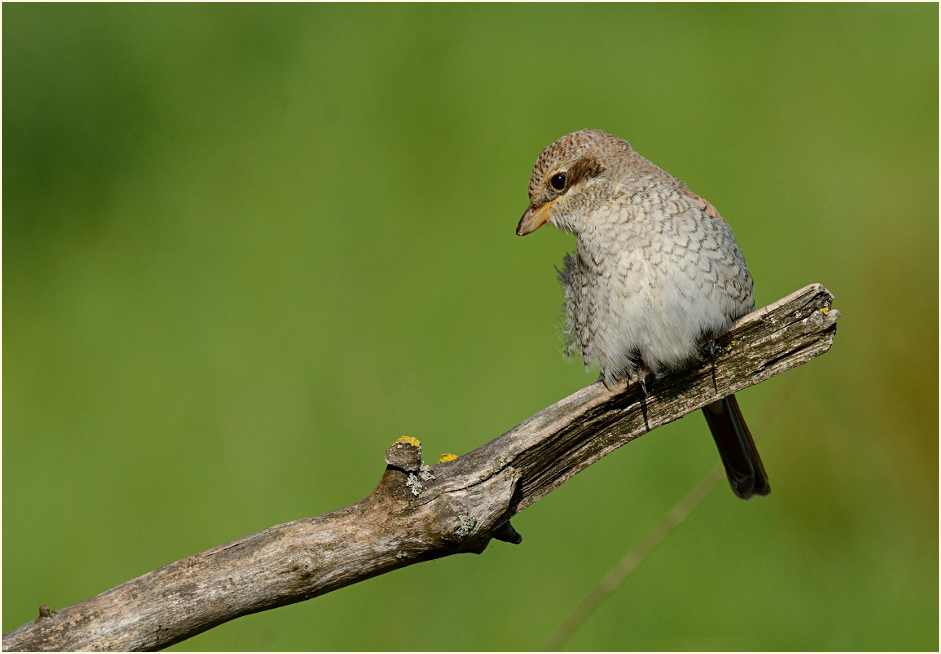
558,181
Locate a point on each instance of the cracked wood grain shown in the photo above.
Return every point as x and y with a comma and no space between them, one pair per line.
417,513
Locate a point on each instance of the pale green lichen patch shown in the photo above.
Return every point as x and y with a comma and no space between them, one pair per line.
425,473
468,522
414,485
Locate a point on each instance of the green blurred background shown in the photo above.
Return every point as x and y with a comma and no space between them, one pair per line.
247,247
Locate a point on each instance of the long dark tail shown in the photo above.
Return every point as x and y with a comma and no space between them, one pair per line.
742,464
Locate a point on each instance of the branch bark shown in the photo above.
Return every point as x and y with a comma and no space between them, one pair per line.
418,512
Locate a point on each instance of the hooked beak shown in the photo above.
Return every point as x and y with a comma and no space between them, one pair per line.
533,219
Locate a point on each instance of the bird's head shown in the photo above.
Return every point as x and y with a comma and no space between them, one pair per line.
569,177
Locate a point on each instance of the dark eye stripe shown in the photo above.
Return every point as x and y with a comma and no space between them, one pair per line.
587,166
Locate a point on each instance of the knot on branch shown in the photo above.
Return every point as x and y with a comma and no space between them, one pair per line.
405,454
441,510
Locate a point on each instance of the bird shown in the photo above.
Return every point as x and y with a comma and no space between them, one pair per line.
655,276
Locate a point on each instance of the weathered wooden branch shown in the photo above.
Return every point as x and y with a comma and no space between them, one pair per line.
417,512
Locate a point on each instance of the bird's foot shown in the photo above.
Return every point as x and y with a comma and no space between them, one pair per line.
710,348
642,381
632,377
